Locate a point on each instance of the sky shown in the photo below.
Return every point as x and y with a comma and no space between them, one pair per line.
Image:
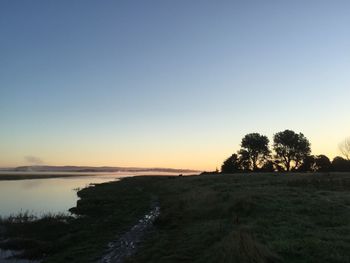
168,83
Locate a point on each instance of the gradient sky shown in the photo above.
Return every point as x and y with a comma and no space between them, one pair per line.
168,83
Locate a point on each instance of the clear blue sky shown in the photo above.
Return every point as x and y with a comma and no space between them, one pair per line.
168,83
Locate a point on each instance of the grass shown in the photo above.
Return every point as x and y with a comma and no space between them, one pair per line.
104,211
252,218
212,218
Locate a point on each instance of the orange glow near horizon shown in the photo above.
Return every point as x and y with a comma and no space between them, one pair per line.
172,84
206,158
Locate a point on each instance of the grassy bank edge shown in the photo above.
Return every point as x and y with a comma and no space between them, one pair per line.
225,218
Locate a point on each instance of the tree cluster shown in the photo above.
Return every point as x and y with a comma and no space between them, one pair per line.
291,151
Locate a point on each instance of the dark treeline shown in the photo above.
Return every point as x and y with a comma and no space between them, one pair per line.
291,151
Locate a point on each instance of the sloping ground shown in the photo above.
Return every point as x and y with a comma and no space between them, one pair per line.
105,211
252,218
215,218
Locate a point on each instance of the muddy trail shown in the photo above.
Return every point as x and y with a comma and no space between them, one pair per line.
126,245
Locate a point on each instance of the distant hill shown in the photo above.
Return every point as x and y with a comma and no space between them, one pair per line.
48,168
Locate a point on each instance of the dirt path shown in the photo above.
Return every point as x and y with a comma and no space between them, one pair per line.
126,245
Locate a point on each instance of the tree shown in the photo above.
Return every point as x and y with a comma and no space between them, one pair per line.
231,164
255,150
278,166
291,148
322,163
344,148
308,164
244,161
268,166
339,164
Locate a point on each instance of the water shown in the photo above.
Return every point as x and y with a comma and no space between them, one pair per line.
42,196
51,195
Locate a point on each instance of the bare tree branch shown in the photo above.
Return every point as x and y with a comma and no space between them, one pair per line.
344,148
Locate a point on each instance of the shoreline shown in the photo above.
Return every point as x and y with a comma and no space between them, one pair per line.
274,218
26,176
14,176
93,223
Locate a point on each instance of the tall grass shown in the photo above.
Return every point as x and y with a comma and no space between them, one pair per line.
25,217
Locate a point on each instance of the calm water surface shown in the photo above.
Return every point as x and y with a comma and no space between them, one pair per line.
39,196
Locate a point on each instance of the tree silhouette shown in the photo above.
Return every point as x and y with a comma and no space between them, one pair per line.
254,150
339,164
291,147
308,164
322,163
244,161
268,166
344,148
231,164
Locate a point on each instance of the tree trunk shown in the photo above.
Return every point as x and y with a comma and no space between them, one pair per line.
288,165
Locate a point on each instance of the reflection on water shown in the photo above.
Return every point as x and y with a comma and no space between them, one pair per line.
38,196
41,196
51,195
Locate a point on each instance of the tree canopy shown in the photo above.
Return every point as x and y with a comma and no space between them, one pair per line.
291,148
322,163
319,163
292,153
231,164
340,164
255,150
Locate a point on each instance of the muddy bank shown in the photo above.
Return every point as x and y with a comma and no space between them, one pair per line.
102,212
127,244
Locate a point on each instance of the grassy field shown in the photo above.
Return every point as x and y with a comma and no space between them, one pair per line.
211,218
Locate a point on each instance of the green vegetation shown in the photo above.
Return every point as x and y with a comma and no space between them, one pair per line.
105,211
252,218
242,218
